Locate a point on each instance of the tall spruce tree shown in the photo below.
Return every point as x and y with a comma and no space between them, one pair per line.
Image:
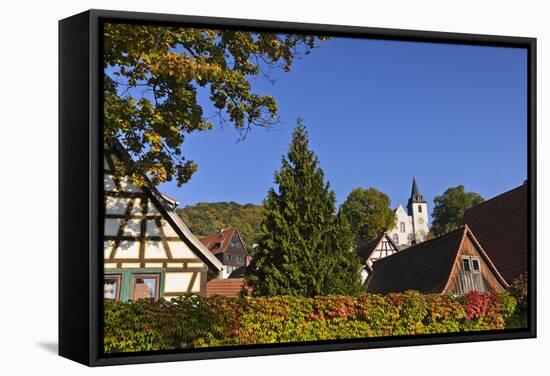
304,248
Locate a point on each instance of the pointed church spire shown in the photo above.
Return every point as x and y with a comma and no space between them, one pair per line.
416,196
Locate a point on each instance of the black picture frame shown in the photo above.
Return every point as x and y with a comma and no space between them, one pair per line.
80,191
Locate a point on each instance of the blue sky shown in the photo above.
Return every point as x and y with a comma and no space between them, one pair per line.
379,113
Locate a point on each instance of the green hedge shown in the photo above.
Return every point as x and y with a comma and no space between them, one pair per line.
194,321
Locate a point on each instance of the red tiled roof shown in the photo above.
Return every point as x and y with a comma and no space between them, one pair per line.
226,287
218,241
500,226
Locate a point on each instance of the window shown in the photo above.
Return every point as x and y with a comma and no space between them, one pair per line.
145,286
475,265
235,243
402,226
420,208
396,238
470,277
240,258
111,287
466,264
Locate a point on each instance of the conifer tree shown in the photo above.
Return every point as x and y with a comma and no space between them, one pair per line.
304,248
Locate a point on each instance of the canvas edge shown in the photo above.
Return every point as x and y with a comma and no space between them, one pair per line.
95,16
74,287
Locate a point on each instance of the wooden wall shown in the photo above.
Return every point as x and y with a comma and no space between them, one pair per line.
456,284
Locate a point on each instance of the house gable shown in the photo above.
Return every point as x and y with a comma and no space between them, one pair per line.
376,249
385,247
143,236
465,276
236,245
229,248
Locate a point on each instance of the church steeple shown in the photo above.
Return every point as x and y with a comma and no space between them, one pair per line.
416,196
412,227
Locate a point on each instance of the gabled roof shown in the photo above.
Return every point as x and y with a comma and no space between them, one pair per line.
501,226
425,267
218,242
163,204
366,250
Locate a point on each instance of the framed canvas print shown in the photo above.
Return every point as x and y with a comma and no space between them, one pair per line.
236,187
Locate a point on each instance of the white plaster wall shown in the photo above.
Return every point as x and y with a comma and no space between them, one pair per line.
180,250
402,216
154,250
177,282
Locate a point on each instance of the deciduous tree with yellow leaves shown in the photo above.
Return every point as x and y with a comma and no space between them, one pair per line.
152,77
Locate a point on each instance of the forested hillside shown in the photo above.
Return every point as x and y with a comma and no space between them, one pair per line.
207,217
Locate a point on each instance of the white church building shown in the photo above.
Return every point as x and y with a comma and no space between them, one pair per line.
411,225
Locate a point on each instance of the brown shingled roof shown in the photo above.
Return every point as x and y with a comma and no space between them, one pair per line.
425,267
500,226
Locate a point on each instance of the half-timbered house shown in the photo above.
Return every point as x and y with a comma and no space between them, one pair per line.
454,263
228,247
376,249
149,252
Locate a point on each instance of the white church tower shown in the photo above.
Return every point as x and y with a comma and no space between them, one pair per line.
411,226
